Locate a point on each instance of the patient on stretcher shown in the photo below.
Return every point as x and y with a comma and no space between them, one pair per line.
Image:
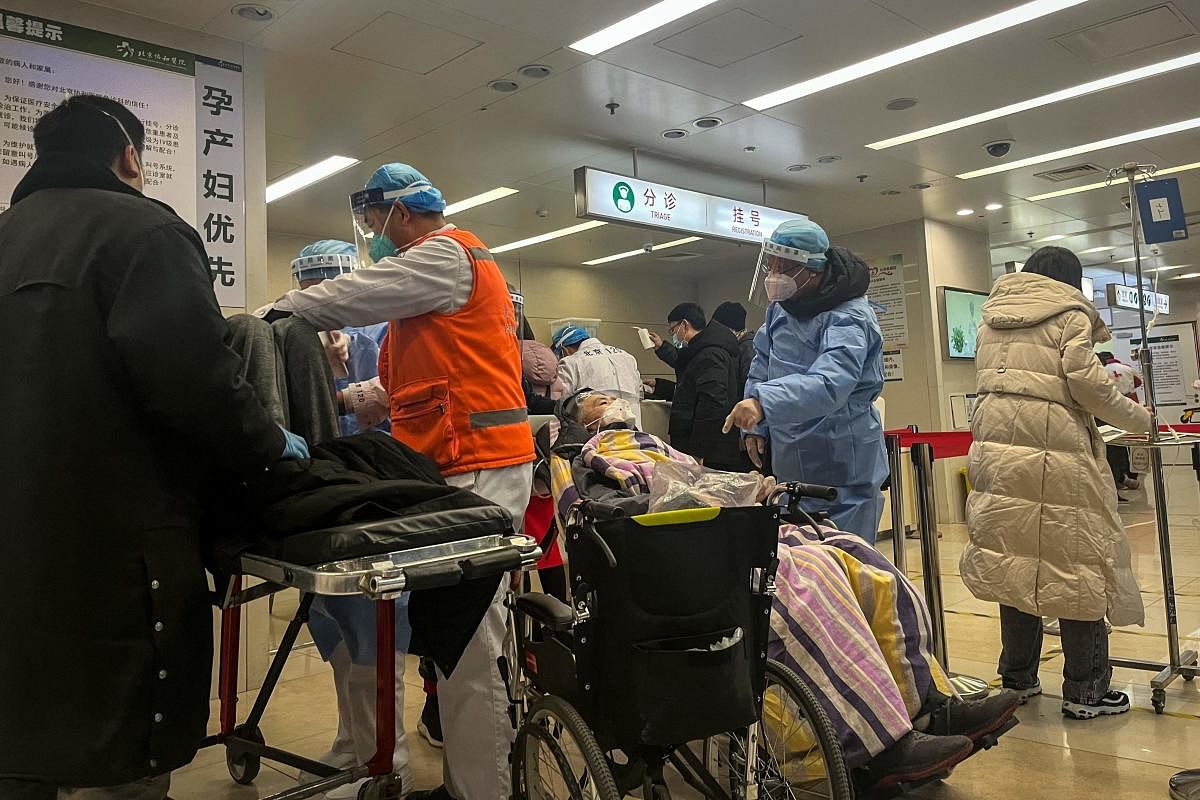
853,627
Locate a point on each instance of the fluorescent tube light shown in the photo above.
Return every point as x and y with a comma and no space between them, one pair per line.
1097,250
1113,141
478,200
1141,73
1164,269
965,212
1057,237
634,26
640,251
308,176
934,44
993,207
545,237
1091,186
1185,275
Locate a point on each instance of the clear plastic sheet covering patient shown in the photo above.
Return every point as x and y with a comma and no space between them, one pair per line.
677,485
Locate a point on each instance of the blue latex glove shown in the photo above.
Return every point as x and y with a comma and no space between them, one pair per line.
294,447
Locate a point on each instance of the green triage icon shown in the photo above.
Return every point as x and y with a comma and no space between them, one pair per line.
623,197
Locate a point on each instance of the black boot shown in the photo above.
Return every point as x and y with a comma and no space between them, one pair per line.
973,719
915,757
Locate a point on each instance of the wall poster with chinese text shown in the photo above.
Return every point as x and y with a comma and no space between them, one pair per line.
190,105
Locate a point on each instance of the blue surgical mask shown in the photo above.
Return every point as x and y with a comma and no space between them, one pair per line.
382,247
676,341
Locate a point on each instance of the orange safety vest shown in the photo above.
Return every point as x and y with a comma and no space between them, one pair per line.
454,380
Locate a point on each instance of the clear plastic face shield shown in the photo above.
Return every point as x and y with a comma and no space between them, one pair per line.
311,270
370,211
782,273
518,301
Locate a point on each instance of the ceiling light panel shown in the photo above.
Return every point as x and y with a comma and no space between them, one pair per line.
1102,184
1103,144
640,23
934,44
308,176
1141,73
545,237
486,197
641,251
1090,250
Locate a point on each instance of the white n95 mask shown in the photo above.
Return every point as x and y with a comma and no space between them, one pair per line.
618,412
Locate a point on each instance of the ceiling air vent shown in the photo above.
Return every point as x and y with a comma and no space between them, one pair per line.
1071,173
679,257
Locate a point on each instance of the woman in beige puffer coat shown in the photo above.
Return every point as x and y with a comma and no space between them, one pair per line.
1045,537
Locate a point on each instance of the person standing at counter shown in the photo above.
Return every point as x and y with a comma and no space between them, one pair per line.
707,371
450,375
1045,536
818,368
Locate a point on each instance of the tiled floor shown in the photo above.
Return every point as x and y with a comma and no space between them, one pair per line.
1045,758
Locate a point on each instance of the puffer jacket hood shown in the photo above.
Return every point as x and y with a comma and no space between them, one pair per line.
846,277
538,364
1045,534
1023,299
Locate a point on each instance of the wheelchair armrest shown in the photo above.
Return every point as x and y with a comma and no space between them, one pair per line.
549,611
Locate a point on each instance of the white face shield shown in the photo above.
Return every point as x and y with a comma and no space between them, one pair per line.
321,267
782,273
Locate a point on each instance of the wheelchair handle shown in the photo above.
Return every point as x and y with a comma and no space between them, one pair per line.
795,490
603,512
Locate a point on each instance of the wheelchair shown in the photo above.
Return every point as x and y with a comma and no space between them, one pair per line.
660,663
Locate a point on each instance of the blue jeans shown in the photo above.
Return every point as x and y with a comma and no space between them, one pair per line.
1086,671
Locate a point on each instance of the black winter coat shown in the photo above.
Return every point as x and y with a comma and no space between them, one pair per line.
707,389
119,397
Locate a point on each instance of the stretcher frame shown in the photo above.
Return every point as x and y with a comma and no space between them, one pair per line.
381,578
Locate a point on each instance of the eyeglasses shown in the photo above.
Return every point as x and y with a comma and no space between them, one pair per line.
673,327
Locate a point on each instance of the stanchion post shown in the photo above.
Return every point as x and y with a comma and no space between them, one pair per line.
896,495
922,457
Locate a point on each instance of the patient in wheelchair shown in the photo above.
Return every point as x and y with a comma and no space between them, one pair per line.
853,627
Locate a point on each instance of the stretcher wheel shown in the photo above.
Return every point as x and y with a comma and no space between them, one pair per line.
243,767
383,788
1158,699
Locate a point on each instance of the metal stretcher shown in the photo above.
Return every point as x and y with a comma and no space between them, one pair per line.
381,578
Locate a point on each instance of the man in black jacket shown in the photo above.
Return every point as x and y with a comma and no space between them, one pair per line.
706,369
119,398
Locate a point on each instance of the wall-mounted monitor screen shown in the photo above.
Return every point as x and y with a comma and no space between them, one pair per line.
962,311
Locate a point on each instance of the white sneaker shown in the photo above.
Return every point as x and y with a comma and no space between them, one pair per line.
1029,692
1111,703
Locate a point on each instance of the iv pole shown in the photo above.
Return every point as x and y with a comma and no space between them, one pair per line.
1180,663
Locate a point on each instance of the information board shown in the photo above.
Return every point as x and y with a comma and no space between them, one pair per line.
1176,365
633,201
893,365
887,290
190,106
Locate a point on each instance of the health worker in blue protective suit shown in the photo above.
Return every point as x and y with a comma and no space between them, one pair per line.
343,628
817,369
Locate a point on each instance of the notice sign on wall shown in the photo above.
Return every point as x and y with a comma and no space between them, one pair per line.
191,107
893,365
1169,386
887,290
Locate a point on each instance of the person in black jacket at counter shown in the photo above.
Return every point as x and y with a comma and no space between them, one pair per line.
706,371
120,399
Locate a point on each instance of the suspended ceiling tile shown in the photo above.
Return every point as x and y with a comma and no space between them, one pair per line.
731,37
1130,33
405,43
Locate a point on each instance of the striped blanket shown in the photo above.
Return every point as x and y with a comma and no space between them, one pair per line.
845,619
858,632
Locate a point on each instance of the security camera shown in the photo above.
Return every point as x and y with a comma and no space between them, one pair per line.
648,247
542,213
999,148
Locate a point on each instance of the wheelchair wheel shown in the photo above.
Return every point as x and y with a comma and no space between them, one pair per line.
799,756
556,757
